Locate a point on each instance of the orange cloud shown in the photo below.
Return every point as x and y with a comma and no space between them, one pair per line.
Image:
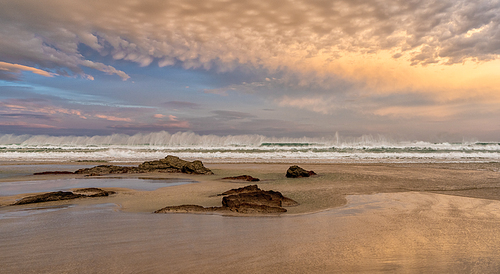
159,116
33,108
113,118
438,112
15,68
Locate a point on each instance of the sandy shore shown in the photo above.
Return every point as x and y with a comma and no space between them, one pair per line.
326,190
413,220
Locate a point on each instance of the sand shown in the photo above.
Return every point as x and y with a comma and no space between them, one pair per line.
352,218
317,193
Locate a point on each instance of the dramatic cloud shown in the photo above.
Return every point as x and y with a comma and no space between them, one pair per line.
322,36
213,65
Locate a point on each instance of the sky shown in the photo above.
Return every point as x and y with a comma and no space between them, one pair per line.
415,70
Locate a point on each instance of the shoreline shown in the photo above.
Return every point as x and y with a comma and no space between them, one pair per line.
327,190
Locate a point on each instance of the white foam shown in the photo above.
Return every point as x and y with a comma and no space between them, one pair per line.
240,148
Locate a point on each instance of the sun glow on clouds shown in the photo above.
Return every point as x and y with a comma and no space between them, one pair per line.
113,118
326,56
30,108
15,68
342,37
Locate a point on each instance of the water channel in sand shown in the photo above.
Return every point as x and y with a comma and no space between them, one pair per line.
400,232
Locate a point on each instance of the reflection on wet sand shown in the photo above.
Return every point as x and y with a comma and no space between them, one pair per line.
399,232
14,188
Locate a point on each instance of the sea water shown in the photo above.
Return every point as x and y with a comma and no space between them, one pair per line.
241,148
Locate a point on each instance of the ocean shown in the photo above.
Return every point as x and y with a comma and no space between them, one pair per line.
240,149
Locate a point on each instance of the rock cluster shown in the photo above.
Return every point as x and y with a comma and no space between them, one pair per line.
64,195
170,164
248,200
298,172
242,178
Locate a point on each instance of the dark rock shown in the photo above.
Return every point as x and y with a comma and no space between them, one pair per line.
53,173
64,195
275,195
257,209
188,209
298,172
104,169
171,164
243,178
246,189
48,197
255,198
249,200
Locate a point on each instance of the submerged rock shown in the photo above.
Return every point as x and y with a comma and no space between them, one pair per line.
298,172
248,200
243,178
64,195
170,164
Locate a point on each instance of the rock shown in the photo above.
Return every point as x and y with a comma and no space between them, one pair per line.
256,209
246,189
53,173
104,169
195,167
254,198
248,200
64,195
188,209
171,164
298,172
93,192
243,178
48,197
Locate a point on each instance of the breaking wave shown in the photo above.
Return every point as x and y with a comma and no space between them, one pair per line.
239,148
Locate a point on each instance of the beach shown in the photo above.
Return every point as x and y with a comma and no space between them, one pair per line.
411,217
326,190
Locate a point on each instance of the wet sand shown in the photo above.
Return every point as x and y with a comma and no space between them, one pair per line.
317,193
352,218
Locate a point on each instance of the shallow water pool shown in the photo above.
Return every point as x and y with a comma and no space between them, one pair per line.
14,188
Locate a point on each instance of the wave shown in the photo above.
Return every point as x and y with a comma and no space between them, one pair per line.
190,139
238,148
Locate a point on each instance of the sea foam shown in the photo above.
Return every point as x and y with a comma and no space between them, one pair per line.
239,148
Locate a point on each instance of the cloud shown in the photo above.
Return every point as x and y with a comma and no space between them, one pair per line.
27,106
159,116
112,118
6,69
24,125
168,126
302,35
25,116
39,109
181,105
231,115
